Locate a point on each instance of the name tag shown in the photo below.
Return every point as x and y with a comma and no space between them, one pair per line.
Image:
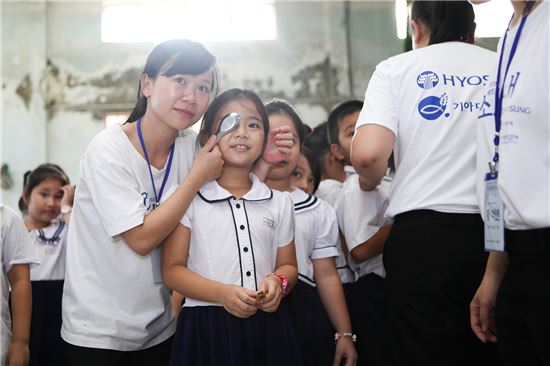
494,215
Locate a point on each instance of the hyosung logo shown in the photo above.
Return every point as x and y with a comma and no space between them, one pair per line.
427,80
432,107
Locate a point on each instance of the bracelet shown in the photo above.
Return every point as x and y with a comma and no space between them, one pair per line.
337,336
284,282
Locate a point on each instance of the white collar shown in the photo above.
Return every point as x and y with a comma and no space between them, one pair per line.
302,200
213,192
349,169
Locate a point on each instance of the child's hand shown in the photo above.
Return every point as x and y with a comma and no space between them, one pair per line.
345,350
68,195
279,142
18,354
271,287
208,163
239,301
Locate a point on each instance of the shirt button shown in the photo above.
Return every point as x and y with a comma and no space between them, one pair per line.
245,249
238,205
242,227
248,273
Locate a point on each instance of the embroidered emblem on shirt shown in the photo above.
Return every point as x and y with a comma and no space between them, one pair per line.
269,223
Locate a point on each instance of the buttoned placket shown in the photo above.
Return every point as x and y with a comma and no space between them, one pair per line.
245,246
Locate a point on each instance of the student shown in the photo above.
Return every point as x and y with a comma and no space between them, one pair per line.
307,174
232,256
364,229
512,302
319,291
46,204
16,255
424,102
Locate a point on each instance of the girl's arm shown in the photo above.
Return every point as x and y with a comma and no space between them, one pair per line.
332,295
177,301
373,246
21,305
160,222
237,300
271,285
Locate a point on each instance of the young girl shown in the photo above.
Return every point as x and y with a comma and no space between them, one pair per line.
46,204
307,174
232,255
16,253
316,236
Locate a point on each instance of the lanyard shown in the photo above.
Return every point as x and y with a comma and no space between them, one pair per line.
166,174
499,94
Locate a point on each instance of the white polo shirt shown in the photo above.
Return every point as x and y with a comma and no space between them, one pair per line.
50,245
236,241
110,298
15,248
430,98
316,232
524,166
328,190
360,216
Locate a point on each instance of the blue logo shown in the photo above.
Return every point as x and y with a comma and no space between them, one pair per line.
432,107
427,80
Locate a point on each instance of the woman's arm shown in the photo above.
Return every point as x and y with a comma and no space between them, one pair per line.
21,305
371,148
237,300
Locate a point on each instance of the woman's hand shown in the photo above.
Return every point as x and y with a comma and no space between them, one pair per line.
345,349
208,163
239,301
273,290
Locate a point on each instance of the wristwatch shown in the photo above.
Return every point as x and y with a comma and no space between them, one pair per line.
284,282
65,209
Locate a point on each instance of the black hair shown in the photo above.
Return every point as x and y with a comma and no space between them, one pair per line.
447,20
342,110
307,130
280,106
178,56
211,115
314,164
318,143
33,178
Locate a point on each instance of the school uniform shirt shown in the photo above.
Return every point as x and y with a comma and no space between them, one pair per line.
328,190
316,232
50,246
360,216
112,298
524,163
236,241
15,248
430,98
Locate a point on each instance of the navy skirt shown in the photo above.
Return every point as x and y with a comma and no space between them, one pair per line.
312,325
210,336
46,346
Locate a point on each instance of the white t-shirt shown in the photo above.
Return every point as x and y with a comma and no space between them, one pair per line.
50,245
15,248
430,98
360,216
524,166
110,298
316,232
328,190
236,241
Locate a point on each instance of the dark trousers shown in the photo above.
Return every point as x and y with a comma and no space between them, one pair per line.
523,305
84,356
434,264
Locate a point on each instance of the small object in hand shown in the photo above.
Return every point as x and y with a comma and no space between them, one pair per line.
260,295
228,124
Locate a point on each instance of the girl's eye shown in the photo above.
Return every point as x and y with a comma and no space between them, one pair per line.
43,194
310,180
296,174
204,88
351,134
179,80
254,125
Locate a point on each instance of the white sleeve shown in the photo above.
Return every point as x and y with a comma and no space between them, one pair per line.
284,232
327,232
380,106
17,247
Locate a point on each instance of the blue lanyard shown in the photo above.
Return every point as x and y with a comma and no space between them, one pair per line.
166,174
499,94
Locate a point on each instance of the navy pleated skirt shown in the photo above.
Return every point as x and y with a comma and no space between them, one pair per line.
312,325
210,336
45,345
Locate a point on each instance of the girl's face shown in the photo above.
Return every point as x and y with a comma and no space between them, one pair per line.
284,169
242,147
302,176
44,201
178,100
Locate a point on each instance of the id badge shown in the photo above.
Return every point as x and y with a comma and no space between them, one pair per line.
156,262
494,215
